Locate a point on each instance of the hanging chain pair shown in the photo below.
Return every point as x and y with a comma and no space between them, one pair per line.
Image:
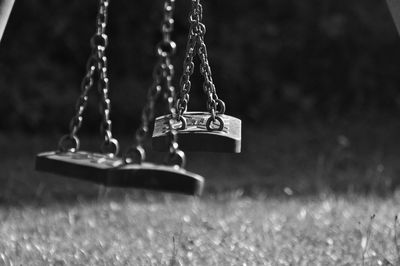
127,172
196,45
97,62
162,85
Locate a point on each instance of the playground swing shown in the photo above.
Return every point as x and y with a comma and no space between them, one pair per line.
211,131
107,168
172,176
69,160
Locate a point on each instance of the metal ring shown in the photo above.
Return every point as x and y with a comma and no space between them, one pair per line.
73,139
177,158
113,144
135,155
222,106
182,120
210,120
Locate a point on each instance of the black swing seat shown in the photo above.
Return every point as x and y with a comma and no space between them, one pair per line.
112,172
196,137
157,177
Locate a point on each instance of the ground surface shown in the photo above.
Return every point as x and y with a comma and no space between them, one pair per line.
225,231
296,196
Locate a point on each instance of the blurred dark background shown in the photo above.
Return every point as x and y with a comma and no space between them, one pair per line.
316,84
273,61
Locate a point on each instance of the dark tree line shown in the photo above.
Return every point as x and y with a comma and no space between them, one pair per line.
275,59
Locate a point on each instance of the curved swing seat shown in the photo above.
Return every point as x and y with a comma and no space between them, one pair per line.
112,172
196,137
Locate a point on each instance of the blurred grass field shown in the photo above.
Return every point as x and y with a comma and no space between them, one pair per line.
297,195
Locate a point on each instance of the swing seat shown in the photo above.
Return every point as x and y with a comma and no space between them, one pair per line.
88,166
196,137
156,177
112,172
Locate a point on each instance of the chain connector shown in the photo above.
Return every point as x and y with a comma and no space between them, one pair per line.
177,158
180,119
110,147
220,107
134,155
210,123
69,143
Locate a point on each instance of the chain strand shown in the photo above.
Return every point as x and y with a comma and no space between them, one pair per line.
162,77
196,40
96,62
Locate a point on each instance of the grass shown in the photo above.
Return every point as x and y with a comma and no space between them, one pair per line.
304,197
223,231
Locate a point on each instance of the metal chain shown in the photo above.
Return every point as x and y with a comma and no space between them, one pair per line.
188,69
196,39
162,77
96,62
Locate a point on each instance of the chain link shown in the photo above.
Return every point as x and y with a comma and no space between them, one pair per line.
196,45
162,77
96,62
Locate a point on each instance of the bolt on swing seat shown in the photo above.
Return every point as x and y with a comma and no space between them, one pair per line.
211,131
107,168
